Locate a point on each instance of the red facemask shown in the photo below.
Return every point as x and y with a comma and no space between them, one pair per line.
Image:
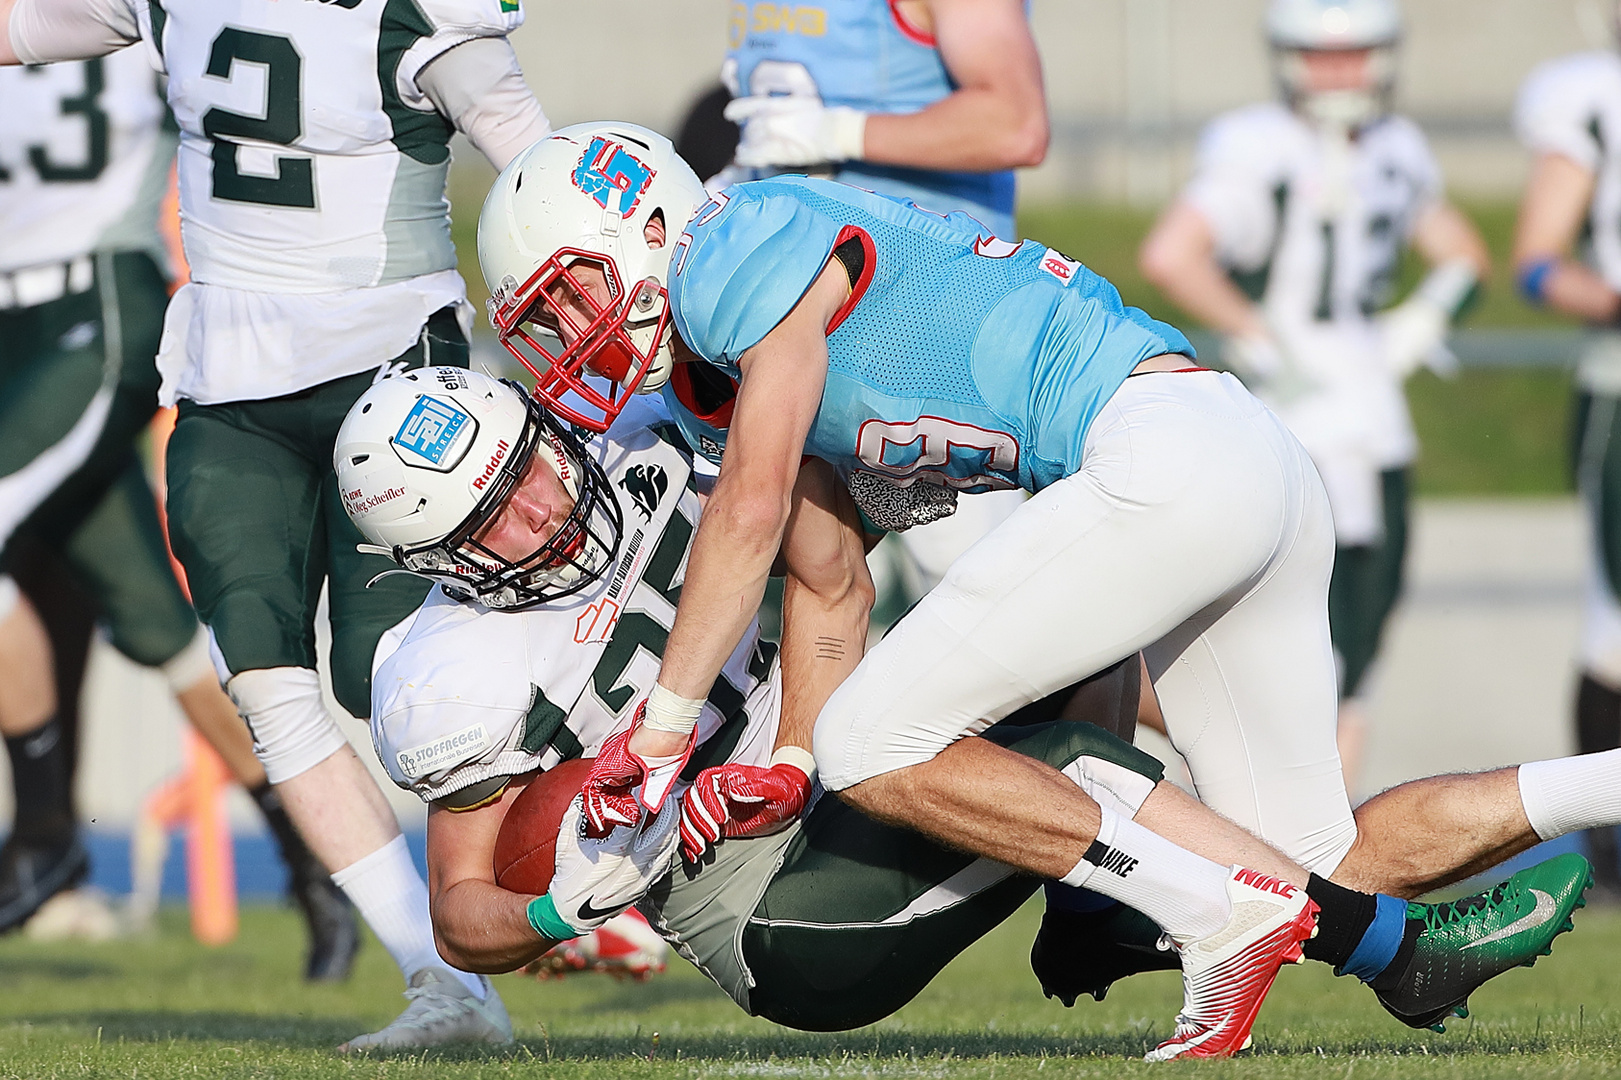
599,344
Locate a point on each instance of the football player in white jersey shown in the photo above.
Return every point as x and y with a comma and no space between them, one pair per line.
1287,241
560,566
1567,256
86,153
312,163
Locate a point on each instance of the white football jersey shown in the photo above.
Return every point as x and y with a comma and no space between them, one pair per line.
471,694
85,156
1313,230
1572,106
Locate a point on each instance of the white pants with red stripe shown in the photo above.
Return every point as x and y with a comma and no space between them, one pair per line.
1196,531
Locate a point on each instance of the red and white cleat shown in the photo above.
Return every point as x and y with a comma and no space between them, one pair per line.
625,947
1225,976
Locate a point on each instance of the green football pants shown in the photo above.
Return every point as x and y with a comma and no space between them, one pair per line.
255,519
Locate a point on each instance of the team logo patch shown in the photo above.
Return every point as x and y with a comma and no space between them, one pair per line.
418,761
646,485
430,430
596,623
1060,266
608,171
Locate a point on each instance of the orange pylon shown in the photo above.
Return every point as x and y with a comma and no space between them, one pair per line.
193,798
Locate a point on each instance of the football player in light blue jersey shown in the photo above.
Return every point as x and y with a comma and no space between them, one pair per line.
933,100
1172,515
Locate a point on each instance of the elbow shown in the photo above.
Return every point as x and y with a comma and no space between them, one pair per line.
1027,142
1156,263
752,515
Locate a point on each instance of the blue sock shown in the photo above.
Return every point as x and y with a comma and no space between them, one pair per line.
1068,898
1380,941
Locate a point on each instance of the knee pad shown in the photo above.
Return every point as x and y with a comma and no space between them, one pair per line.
9,595
188,667
1110,785
293,731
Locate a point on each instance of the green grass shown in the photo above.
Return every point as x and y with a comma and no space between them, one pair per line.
165,1007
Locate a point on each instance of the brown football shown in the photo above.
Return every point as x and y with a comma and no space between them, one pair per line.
526,847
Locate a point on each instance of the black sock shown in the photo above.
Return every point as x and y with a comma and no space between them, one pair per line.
302,865
42,777
1344,916
1598,728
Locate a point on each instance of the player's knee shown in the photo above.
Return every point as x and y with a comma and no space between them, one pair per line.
192,664
293,731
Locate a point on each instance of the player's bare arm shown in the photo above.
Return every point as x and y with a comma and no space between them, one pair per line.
477,925
1179,256
746,515
1556,203
826,599
996,119
1443,234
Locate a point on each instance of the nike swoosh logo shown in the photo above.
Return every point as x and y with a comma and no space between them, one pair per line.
587,912
1540,914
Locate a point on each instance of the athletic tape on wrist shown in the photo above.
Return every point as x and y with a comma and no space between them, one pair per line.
1533,280
542,913
669,711
798,757
1451,286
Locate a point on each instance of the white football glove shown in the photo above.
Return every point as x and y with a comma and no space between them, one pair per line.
1253,357
1414,334
597,879
780,131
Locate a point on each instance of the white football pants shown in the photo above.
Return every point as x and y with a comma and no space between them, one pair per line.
1196,531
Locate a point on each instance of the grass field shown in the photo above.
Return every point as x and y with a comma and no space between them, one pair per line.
165,1007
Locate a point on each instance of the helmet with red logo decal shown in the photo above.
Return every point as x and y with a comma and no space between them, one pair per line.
427,461
577,292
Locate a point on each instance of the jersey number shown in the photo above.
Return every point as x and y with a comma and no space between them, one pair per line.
86,103
930,443
281,124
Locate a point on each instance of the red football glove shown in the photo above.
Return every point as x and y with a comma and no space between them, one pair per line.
740,800
622,783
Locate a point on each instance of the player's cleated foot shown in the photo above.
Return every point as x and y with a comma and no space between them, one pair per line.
442,1011
1226,975
334,931
32,873
1079,953
1463,943
625,947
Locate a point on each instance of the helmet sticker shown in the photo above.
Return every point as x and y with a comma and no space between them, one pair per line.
607,168
430,430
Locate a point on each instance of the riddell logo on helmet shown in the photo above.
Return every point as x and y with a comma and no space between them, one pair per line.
492,465
358,502
1257,880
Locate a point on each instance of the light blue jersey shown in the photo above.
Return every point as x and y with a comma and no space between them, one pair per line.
959,358
861,54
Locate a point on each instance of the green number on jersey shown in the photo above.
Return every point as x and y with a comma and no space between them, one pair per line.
86,103
281,124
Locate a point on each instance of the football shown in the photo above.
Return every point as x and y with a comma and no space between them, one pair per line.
526,847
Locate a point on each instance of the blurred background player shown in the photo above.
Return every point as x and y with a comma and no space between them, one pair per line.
1287,241
86,150
937,101
314,147
1567,256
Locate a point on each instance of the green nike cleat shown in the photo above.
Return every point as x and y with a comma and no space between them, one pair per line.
1465,942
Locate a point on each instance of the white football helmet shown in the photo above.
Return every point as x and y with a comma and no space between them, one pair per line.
1297,27
426,458
585,195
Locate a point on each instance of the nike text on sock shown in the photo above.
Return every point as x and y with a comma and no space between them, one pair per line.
1183,892
1566,794
390,895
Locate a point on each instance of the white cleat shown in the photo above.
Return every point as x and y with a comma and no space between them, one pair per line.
442,1011
1226,976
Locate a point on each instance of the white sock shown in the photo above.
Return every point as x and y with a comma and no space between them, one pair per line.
1183,892
393,899
1567,794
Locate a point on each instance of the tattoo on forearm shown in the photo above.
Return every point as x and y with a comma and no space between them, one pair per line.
830,648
